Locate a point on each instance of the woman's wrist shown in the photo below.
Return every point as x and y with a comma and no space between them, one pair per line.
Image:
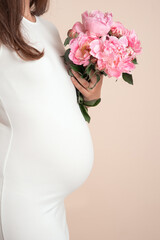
91,103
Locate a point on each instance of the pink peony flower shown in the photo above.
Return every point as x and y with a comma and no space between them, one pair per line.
80,49
97,22
117,29
78,27
108,45
97,48
113,58
133,41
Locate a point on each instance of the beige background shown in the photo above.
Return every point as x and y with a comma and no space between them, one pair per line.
120,200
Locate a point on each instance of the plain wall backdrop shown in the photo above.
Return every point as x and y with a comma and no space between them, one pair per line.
120,200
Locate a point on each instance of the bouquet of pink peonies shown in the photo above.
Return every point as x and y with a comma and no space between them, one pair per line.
103,46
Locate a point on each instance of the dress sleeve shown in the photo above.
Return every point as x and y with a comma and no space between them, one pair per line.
57,38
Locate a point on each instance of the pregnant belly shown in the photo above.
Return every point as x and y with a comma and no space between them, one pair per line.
51,149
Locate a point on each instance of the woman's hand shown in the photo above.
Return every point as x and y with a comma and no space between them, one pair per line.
83,85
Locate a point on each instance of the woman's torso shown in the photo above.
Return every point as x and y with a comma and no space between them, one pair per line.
47,146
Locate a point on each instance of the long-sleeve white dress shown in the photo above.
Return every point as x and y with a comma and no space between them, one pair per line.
46,149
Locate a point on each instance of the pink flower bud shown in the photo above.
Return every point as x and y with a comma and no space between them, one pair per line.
72,33
93,59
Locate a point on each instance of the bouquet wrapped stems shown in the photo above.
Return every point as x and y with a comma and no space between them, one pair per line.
85,72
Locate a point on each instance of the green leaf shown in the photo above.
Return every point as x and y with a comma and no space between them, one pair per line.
104,73
134,61
128,78
67,40
85,75
66,56
80,98
89,68
84,111
98,78
77,68
92,103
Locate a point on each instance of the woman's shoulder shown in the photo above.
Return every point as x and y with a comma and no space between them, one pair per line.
50,25
54,33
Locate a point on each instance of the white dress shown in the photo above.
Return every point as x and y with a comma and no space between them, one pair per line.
46,149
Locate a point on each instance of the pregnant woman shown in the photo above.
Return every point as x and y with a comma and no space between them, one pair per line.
46,150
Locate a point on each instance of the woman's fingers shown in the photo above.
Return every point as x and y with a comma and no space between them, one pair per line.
83,90
84,86
82,81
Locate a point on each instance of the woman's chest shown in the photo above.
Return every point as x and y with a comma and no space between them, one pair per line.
35,81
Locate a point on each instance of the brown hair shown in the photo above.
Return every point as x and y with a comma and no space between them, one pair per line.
11,13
